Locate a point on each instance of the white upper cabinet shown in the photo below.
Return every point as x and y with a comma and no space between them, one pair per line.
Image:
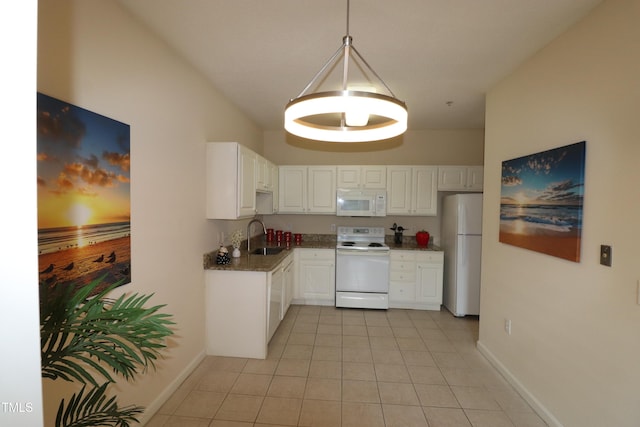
292,197
246,182
460,178
231,181
399,180
475,178
412,190
266,186
366,177
321,196
266,180
307,189
274,172
425,191
262,171
241,183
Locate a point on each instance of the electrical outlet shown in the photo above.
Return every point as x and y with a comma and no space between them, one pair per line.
605,255
507,326
333,228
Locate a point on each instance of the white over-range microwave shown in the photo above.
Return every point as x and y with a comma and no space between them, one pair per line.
361,203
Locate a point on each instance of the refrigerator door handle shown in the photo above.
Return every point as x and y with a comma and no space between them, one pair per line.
463,256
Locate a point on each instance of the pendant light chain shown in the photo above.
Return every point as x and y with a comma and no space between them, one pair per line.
347,46
348,2
345,65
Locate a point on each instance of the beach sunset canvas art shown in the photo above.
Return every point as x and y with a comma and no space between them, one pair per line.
541,201
84,206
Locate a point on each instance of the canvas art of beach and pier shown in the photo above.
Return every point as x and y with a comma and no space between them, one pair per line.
541,201
84,207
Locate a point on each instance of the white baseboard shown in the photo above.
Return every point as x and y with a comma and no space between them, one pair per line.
153,407
308,301
535,404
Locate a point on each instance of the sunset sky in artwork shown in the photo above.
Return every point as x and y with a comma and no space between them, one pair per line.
83,166
553,177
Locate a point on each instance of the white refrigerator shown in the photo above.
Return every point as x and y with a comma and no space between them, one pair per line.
461,241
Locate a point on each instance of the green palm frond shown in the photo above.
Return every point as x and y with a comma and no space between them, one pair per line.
94,409
82,332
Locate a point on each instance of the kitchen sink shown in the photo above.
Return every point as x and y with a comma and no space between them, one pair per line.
267,251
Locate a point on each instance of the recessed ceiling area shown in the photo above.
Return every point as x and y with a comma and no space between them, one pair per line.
440,57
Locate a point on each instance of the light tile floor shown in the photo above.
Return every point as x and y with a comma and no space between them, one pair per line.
349,367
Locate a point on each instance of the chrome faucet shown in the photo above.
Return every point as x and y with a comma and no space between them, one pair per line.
264,230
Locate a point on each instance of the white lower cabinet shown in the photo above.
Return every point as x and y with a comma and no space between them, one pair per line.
429,273
280,294
416,279
402,272
244,309
316,284
288,272
276,301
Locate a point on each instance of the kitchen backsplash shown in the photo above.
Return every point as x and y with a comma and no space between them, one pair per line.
322,224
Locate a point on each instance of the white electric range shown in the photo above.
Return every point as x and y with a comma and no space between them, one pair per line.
362,268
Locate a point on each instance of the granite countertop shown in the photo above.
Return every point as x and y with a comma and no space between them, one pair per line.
409,244
248,262
266,263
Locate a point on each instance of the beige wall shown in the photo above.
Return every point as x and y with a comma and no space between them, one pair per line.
575,342
95,55
423,147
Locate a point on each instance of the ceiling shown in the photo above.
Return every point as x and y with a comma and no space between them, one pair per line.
439,56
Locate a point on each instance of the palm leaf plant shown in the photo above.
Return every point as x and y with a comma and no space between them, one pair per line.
90,338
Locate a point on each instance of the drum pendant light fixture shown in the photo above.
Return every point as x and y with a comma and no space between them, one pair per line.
355,112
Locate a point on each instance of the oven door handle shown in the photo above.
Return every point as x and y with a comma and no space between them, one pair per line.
361,252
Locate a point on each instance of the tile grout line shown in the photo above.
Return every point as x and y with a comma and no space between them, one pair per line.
370,321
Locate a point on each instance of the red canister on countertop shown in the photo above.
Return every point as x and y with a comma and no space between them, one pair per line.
422,238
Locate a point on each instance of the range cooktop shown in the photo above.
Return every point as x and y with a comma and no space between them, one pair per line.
361,238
